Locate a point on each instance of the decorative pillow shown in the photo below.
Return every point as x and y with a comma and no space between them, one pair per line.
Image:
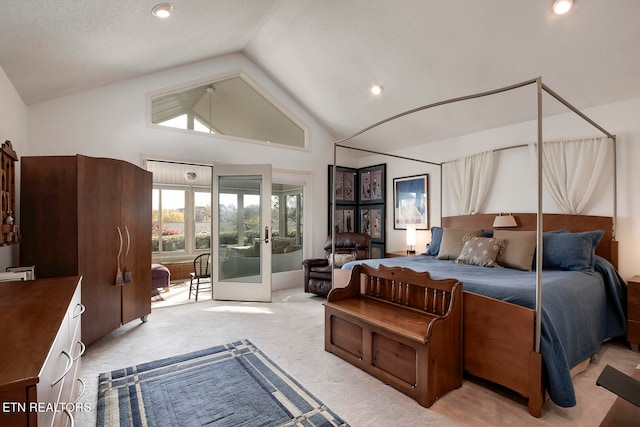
546,233
519,248
480,251
436,238
570,251
341,259
451,244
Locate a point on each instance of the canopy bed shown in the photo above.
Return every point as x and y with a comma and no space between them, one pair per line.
513,336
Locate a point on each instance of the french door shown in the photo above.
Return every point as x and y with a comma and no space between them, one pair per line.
241,237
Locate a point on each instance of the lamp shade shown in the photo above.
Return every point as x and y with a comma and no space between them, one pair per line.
411,234
504,221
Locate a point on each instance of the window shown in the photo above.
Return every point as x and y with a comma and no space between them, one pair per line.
181,210
202,215
181,221
229,106
168,226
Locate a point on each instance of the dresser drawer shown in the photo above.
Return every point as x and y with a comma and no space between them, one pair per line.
633,292
633,311
76,309
57,366
66,396
633,331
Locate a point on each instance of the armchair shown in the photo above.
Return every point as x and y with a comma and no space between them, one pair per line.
317,271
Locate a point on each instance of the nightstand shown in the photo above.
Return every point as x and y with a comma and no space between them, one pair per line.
404,253
633,312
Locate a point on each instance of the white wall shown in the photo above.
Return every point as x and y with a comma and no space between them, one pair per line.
13,127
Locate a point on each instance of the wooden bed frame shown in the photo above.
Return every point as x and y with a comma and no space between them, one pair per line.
499,336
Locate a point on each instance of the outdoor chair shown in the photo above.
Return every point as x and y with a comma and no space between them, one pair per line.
201,270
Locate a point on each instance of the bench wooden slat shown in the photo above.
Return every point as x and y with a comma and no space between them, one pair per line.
397,319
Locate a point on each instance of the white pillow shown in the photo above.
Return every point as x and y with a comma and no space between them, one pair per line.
480,251
341,259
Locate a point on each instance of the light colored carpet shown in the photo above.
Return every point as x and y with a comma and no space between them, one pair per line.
178,293
291,331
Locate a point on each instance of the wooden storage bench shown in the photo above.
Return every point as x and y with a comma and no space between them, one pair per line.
400,326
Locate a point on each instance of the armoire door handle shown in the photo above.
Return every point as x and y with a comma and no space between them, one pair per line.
128,277
119,277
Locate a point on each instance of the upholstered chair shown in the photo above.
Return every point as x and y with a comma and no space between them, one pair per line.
317,271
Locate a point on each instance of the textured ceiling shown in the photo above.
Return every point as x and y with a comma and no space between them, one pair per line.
326,53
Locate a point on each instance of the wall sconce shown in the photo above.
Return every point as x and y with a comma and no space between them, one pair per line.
504,221
411,238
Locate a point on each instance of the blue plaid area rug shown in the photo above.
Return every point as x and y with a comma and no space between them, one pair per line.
228,385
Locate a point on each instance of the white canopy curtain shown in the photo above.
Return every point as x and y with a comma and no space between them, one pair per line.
571,169
469,181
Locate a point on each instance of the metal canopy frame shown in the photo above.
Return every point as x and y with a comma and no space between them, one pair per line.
540,88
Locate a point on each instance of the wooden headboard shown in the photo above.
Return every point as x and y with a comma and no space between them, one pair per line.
608,248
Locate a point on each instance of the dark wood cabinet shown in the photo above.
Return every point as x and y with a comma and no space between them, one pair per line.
73,211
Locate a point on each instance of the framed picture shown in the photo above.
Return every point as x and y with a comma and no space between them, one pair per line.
371,220
411,202
372,184
345,220
345,184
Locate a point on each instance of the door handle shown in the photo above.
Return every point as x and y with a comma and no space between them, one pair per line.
119,276
266,234
128,277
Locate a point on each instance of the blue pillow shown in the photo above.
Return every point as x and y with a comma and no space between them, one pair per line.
436,238
570,251
487,233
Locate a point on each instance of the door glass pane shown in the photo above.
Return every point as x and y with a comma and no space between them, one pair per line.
202,214
286,223
239,228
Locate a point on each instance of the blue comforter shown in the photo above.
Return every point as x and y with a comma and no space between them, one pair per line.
580,309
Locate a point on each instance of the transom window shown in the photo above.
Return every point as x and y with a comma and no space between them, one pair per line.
231,106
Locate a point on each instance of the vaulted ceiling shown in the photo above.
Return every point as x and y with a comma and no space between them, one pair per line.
327,53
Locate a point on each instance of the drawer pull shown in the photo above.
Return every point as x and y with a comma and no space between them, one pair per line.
66,369
83,348
70,415
84,388
79,313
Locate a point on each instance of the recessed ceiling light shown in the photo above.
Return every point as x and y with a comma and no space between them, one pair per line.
560,7
376,89
162,10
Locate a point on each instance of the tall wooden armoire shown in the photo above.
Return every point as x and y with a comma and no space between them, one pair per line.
73,212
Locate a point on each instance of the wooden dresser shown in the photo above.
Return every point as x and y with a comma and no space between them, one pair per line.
633,312
41,349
